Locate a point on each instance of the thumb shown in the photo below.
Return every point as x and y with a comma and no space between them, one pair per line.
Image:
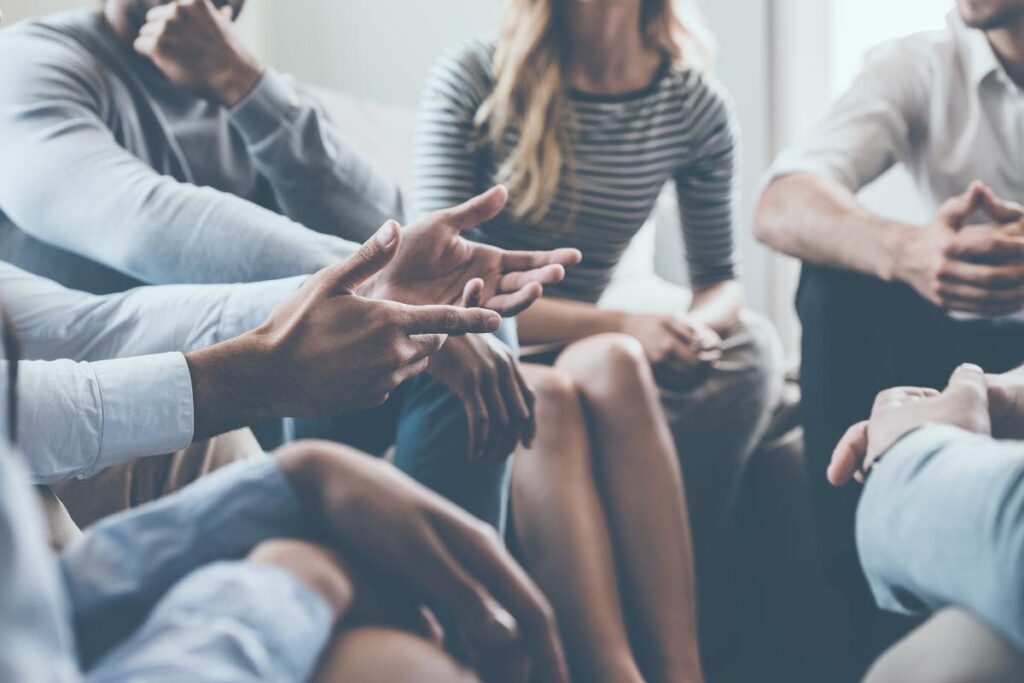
968,380
371,258
957,209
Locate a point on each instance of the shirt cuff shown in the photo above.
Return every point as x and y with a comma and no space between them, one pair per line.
271,105
249,305
146,405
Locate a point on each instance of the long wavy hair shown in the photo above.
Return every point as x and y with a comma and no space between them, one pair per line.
529,92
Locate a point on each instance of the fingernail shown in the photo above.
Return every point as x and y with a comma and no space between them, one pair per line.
971,367
386,234
500,626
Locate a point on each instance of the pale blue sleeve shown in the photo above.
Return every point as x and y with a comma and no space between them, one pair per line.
124,565
229,621
114,208
941,523
56,322
318,178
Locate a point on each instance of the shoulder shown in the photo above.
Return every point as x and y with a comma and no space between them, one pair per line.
465,72
703,99
50,55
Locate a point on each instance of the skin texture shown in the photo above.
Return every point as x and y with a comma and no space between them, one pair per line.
325,350
597,496
427,548
989,15
898,411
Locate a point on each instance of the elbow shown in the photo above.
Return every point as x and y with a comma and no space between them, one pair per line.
768,219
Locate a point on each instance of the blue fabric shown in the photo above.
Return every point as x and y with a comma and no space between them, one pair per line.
941,524
427,425
156,594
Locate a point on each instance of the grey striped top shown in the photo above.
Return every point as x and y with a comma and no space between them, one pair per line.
625,148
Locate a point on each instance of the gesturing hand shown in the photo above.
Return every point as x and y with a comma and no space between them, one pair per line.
437,262
194,45
454,564
973,269
964,404
680,348
498,401
325,350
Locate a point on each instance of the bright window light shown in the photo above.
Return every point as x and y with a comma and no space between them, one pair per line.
859,25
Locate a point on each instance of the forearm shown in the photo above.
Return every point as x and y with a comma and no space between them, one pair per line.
564,320
941,522
820,221
718,306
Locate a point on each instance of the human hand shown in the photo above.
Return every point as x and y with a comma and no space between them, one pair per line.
1006,404
898,411
315,566
681,349
437,262
454,564
193,43
325,350
484,374
972,269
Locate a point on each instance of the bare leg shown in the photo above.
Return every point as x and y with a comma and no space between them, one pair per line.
380,655
644,498
564,535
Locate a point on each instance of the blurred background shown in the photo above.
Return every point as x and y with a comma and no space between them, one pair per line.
782,60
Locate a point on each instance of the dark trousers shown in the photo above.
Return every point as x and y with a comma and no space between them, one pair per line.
426,423
860,336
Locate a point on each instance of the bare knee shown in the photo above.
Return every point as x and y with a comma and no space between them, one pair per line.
556,393
607,362
380,655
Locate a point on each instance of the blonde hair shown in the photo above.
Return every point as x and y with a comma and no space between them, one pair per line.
529,89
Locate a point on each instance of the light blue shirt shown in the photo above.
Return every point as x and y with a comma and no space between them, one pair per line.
132,396
159,594
111,176
941,523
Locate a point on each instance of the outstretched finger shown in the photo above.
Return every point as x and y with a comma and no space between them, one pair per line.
372,256
472,293
849,454
479,209
527,260
545,275
509,305
451,320
998,208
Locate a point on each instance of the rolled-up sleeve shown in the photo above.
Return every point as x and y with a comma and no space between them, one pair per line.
941,523
79,418
869,128
229,621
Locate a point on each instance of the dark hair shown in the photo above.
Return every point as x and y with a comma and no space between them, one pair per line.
12,351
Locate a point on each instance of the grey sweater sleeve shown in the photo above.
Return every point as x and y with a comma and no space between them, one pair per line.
318,178
941,523
66,181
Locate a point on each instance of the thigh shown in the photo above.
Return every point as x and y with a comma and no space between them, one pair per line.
144,480
432,446
952,647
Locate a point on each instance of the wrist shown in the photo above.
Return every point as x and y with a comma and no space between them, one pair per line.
899,241
234,84
226,385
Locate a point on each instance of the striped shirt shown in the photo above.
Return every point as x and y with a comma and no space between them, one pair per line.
624,149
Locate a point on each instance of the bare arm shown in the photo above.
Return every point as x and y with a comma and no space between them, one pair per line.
818,220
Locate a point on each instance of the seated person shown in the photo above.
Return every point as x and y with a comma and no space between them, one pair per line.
940,530
183,160
258,572
586,110
885,303
253,351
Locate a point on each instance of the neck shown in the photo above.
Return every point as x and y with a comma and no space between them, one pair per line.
607,52
1008,44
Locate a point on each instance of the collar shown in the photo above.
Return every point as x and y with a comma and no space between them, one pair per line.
981,60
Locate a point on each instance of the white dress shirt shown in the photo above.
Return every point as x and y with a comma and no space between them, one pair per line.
106,380
939,103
